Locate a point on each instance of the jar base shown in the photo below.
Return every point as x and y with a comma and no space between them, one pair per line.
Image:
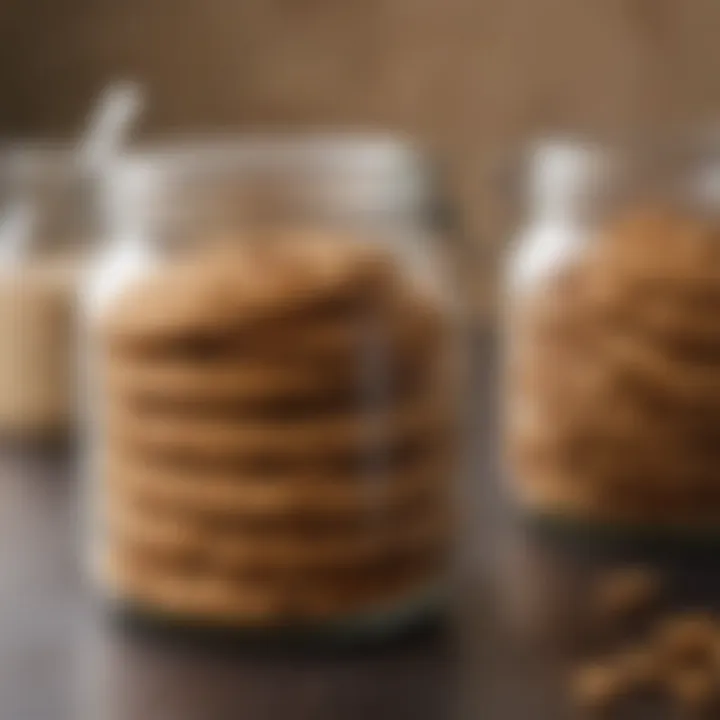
425,610
616,533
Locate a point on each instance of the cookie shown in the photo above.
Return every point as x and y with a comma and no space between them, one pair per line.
293,492
384,452
226,382
225,600
274,550
406,314
361,432
230,290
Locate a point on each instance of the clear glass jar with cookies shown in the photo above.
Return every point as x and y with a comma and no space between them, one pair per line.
272,370
612,352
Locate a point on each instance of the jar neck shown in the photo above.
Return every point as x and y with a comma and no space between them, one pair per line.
559,211
177,197
569,182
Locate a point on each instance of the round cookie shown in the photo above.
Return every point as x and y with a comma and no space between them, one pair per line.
602,498
225,600
361,432
276,551
303,361
375,513
591,442
223,382
658,246
227,382
405,316
230,290
632,354
291,493
384,452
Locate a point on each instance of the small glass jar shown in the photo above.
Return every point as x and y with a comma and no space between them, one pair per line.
272,366
49,220
612,353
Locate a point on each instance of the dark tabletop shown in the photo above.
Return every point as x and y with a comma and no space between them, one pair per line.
509,637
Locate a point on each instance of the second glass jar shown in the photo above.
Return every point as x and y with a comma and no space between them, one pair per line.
612,361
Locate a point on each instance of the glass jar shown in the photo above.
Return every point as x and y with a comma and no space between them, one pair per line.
48,221
612,359
273,371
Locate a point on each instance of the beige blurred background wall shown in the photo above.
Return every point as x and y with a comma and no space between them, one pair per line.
470,77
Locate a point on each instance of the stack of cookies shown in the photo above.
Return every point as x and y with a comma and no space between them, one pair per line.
614,373
277,418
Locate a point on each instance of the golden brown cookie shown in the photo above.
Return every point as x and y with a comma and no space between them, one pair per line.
374,532
597,687
227,382
623,593
407,315
217,599
212,493
361,432
230,290
276,553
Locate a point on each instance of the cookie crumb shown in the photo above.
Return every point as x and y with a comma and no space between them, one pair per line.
619,594
597,686
687,640
638,667
694,690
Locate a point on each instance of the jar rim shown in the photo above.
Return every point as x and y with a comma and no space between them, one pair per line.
320,173
358,152
44,159
204,140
